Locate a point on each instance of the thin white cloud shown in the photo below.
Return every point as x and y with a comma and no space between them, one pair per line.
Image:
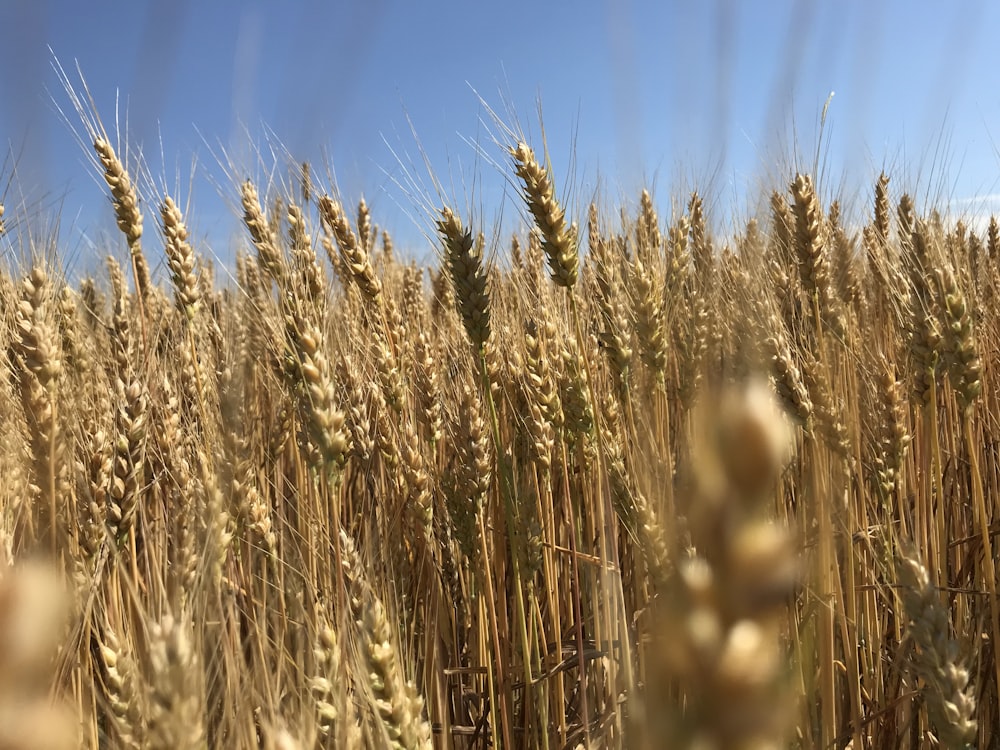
992,199
974,211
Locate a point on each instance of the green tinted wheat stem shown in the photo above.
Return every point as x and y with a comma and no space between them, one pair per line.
987,561
512,520
473,299
559,243
826,571
611,573
926,353
542,489
813,265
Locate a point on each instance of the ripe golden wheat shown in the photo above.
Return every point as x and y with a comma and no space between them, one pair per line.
541,501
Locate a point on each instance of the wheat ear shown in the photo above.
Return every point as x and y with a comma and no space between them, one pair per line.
559,238
125,201
950,699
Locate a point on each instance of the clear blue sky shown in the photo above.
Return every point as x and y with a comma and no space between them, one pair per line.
674,95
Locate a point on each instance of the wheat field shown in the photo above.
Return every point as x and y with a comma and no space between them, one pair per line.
614,481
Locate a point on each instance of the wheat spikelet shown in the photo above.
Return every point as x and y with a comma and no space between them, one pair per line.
256,511
121,327
540,399
385,429
906,222
534,260
218,534
125,702
126,204
649,238
308,372
541,381
76,358
828,412
304,254
264,238
94,501
880,224
813,255
418,482
353,252
414,302
92,302
37,345
475,471
39,369
388,371
559,239
129,462
650,317
396,702
845,271
679,255
468,276
180,258
340,272
632,505
359,422
175,722
976,256
388,249
335,711
925,331
950,700
788,380
690,335
809,248
961,357
574,390
782,228
614,335
894,436
427,389
366,232
701,244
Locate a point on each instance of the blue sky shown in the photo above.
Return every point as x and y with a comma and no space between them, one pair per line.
723,96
